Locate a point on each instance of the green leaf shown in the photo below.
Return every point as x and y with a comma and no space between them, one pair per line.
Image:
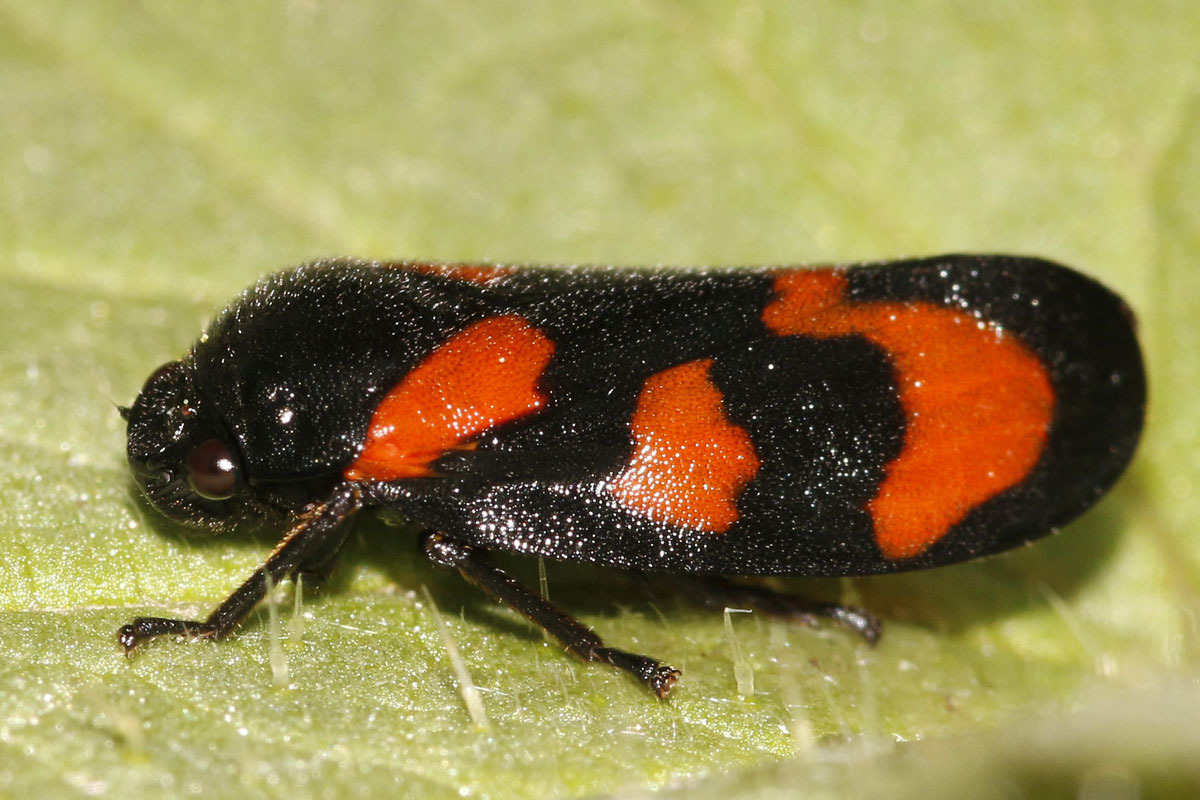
156,158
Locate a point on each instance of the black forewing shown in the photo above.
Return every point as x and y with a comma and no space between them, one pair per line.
824,416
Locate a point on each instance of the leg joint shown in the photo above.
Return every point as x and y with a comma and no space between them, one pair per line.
445,551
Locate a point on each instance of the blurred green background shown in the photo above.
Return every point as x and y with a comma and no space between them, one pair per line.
155,158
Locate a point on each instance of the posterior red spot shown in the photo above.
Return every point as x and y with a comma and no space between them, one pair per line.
689,462
482,274
485,375
978,402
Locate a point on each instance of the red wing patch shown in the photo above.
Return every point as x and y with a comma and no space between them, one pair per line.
978,403
485,375
689,463
482,274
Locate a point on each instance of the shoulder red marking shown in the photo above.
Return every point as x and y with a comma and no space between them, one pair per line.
485,375
482,274
978,402
689,463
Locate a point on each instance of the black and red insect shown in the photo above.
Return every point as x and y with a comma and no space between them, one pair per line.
770,421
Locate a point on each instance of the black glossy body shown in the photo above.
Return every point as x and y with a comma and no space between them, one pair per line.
292,372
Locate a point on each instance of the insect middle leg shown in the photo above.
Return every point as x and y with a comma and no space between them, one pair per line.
474,565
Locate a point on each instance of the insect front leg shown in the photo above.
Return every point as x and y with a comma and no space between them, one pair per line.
474,565
321,561
314,538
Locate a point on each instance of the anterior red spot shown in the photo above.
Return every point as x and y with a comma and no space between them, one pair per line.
485,375
978,403
689,463
482,274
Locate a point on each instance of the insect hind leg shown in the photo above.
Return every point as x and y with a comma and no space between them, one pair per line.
473,564
715,590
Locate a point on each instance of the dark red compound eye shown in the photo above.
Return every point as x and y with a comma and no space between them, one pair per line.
212,470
